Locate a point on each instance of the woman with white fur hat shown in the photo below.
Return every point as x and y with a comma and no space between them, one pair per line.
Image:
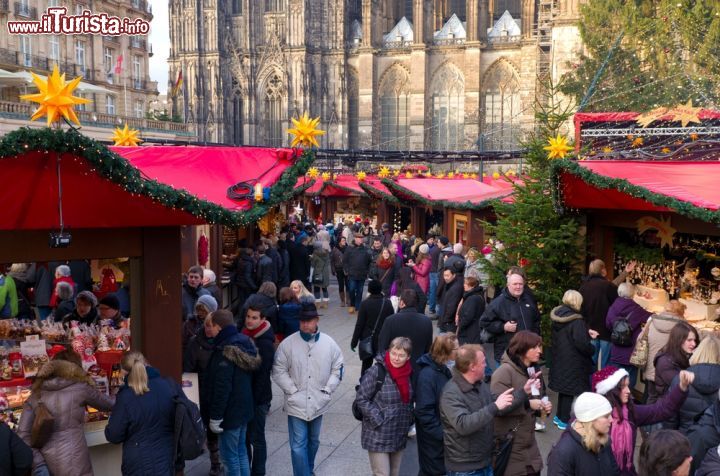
584,448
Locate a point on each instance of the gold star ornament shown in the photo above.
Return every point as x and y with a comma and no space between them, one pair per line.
384,172
305,131
313,172
361,176
126,136
326,176
557,147
55,97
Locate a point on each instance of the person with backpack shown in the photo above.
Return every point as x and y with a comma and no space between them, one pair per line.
143,420
229,399
387,408
625,320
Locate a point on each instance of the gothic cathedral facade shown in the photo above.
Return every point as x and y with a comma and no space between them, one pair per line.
381,74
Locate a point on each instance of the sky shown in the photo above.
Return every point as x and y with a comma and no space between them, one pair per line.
160,39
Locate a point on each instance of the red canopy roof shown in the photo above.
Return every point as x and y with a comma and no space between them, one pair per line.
690,188
448,192
344,185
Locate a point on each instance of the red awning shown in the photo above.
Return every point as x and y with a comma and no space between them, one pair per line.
448,192
341,186
208,172
686,187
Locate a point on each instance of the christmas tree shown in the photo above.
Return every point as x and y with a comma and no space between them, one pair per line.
532,232
667,54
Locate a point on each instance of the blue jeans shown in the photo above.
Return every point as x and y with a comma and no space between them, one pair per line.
476,472
233,452
431,292
355,288
257,446
304,443
601,347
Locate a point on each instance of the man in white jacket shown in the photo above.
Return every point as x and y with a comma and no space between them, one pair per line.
308,368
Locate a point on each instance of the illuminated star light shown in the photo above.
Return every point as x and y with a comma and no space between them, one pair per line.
558,147
305,131
55,97
126,136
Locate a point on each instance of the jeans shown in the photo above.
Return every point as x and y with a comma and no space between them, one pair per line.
304,439
601,347
233,451
632,373
320,292
342,280
431,292
256,444
487,471
355,288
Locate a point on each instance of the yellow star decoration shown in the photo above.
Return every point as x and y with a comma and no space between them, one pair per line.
465,175
305,131
694,136
126,136
496,175
408,175
55,97
396,173
313,172
558,147
326,176
649,117
510,173
686,113
665,150
637,142
474,176
361,176
384,172
607,149
451,174
440,175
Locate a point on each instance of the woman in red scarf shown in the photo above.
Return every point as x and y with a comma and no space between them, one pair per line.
387,411
384,270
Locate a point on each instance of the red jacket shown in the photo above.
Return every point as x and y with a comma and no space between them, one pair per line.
422,274
64,279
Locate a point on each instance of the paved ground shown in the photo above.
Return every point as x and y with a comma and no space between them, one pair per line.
340,452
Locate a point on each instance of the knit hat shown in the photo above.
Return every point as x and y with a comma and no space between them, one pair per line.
424,249
444,240
374,286
208,302
608,378
591,406
88,297
110,301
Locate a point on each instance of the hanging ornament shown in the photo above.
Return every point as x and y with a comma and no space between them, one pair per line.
558,147
607,149
396,173
638,141
313,172
305,131
55,97
384,172
361,176
408,175
496,175
326,176
451,175
126,136
203,249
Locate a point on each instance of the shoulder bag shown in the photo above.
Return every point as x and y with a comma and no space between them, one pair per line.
42,426
641,351
365,346
502,450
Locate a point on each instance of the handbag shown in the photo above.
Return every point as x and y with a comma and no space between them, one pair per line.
42,426
502,450
641,352
365,346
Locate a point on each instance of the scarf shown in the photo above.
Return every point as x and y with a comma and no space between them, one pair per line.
401,376
265,325
309,337
621,435
385,263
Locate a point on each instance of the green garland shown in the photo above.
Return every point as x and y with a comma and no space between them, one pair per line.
468,205
378,194
120,171
624,186
331,183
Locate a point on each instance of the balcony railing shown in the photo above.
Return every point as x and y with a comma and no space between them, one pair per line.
504,40
143,84
138,43
391,45
18,110
25,10
449,41
111,39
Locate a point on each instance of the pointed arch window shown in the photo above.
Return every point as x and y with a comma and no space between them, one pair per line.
448,110
353,109
274,92
395,110
501,128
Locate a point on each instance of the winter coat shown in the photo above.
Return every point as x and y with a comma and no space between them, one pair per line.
145,425
16,457
307,372
430,381
704,435
407,322
371,315
356,262
422,274
320,262
284,272
666,369
244,274
469,314
625,308
228,379
386,275
63,308
299,263
264,340
701,395
197,355
525,451
435,260
190,296
452,259
569,457
598,295
274,255
572,352
386,419
467,413
452,294
267,305
65,390
711,464
336,259
215,292
505,308
265,271
658,335
421,296
288,318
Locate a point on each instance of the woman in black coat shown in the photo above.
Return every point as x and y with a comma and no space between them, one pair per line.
432,377
572,354
300,261
451,296
143,420
371,315
16,458
470,312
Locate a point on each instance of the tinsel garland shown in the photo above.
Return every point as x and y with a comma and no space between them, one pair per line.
378,194
624,186
468,205
118,170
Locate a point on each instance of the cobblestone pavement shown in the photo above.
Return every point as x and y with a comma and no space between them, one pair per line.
340,452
